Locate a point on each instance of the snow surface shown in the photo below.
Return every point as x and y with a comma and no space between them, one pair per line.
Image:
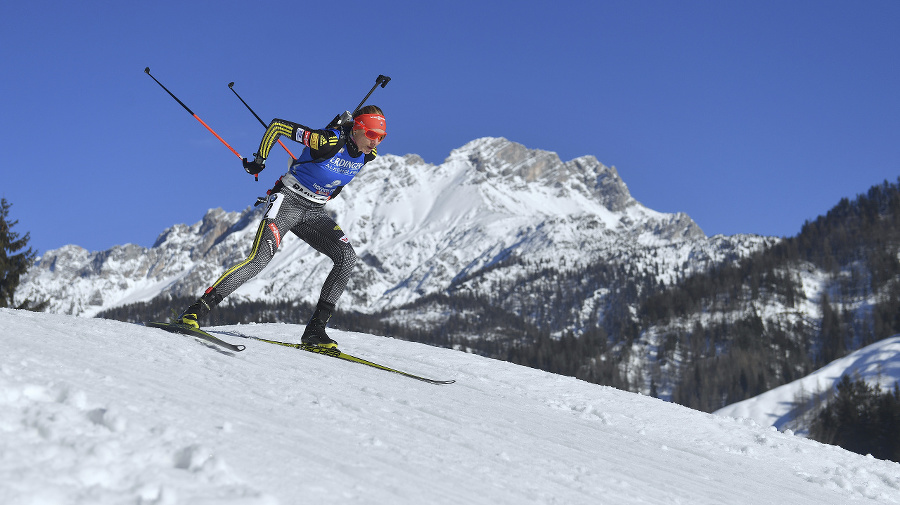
785,406
103,412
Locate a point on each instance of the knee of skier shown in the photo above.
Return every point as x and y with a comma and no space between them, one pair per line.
348,256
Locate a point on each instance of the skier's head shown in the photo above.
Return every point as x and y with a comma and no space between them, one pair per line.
369,128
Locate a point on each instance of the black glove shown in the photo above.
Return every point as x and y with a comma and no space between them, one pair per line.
256,166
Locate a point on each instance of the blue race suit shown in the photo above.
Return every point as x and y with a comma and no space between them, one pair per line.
323,176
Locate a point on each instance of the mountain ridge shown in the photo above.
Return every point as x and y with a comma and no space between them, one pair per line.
418,229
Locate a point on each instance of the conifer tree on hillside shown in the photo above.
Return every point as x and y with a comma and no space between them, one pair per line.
861,418
15,259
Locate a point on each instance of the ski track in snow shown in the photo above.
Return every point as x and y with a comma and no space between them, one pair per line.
102,412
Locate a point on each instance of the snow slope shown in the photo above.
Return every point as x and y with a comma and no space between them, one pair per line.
103,412
784,406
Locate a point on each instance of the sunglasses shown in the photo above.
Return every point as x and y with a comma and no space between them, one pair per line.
370,134
373,135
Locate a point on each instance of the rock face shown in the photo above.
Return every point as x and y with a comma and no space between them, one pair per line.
494,211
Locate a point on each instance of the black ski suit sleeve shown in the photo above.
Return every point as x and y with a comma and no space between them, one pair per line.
320,142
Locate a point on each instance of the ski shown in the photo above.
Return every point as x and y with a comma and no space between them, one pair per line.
194,332
337,353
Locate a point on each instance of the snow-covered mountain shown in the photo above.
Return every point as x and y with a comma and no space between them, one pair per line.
493,212
103,412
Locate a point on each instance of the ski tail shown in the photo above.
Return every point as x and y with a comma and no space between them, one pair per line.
196,333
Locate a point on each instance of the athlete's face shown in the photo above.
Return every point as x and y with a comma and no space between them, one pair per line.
363,142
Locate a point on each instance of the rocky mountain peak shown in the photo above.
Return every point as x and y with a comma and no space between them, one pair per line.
499,158
421,228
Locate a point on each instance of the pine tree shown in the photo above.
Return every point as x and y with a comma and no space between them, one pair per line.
832,335
862,419
15,259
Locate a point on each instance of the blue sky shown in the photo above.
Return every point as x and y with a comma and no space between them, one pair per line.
750,116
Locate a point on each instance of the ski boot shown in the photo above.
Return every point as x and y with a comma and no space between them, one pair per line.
315,329
187,319
199,309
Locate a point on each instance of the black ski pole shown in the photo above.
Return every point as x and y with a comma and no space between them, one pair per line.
147,71
382,80
347,116
231,87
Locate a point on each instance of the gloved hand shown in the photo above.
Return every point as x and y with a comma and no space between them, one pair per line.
256,166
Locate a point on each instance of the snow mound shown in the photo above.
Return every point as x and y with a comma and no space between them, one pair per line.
782,407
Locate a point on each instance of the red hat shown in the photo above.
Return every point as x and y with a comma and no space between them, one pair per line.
374,122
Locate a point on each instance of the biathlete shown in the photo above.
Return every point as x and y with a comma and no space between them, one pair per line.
331,158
